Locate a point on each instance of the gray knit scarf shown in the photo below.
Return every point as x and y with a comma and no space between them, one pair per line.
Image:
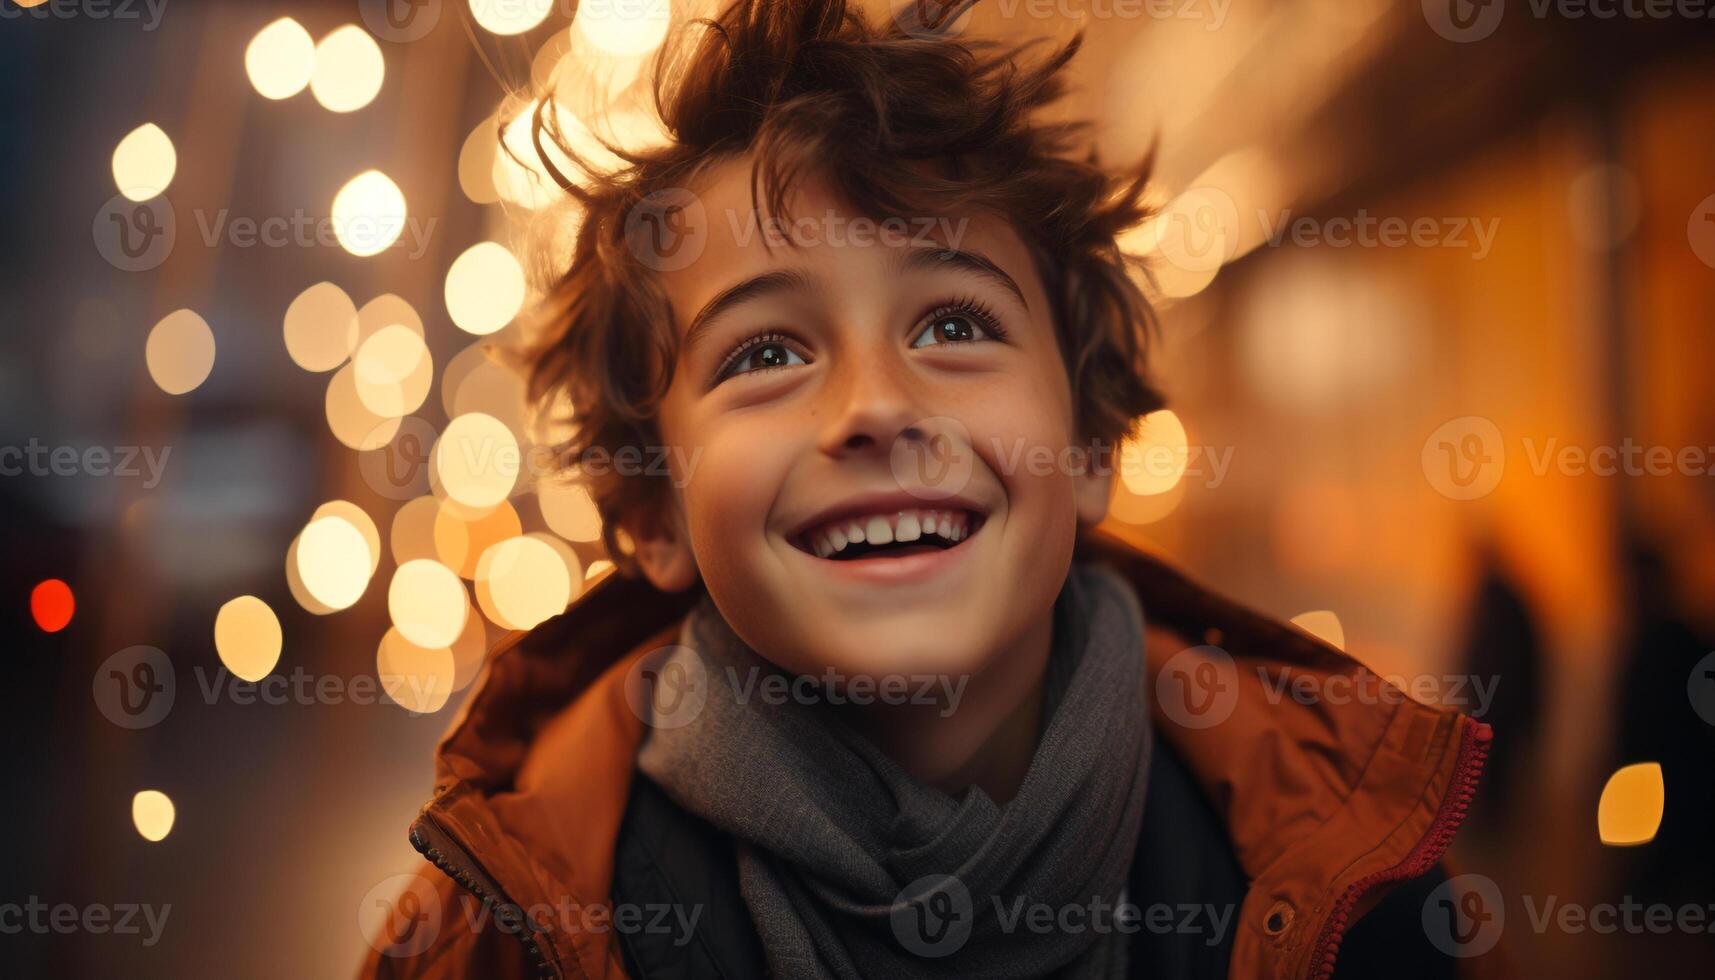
851,868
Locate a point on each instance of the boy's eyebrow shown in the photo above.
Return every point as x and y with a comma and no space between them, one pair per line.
976,263
910,260
780,280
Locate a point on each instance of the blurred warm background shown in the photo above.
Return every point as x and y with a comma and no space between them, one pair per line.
1423,274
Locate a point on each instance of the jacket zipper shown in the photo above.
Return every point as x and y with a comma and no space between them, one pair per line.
1473,753
444,852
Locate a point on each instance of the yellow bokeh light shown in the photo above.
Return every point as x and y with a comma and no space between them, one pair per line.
508,17
348,70
521,176
295,582
351,422
462,535
393,372
333,561
280,59
485,288
144,163
386,310
321,327
413,533
574,567
597,571
153,814
417,678
180,352
428,603
1632,802
368,214
1154,456
476,460
247,637
569,510
521,582
625,28
1323,624
477,165
359,518
1130,508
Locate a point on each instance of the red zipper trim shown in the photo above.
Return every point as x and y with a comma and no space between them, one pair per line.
1473,753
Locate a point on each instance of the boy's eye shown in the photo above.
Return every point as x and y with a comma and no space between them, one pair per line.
759,356
952,328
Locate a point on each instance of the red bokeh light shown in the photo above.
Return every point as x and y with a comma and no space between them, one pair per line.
52,604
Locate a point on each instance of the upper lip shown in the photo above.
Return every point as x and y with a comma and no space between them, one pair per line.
885,502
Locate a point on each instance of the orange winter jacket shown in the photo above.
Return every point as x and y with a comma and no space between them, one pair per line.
1326,802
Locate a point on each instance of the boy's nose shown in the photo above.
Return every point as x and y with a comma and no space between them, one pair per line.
874,403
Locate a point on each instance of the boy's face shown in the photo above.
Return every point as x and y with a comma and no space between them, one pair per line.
869,381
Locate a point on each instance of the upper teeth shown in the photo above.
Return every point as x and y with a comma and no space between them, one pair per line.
901,526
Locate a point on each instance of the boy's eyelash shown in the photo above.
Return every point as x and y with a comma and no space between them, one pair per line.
746,346
975,308
970,306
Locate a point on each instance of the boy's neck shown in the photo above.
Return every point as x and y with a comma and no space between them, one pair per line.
989,740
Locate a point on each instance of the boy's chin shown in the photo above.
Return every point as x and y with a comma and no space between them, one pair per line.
877,651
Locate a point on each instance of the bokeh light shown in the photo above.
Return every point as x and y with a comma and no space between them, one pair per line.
626,28
393,371
413,533
247,636
153,814
476,460
359,518
1154,456
144,163
350,420
1323,624
485,288
368,214
180,352
569,510
462,534
280,59
333,561
508,17
348,71
417,678
1631,807
51,605
521,582
428,603
321,327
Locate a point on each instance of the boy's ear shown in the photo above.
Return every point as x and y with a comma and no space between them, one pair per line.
1094,486
663,546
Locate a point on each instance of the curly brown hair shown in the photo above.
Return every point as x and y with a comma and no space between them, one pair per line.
900,122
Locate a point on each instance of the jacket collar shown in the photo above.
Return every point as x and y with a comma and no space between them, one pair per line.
1323,801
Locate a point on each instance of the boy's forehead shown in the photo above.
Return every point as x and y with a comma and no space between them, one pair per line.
821,234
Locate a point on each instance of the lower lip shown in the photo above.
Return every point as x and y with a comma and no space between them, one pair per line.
906,570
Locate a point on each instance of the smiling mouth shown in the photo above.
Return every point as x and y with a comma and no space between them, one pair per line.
897,534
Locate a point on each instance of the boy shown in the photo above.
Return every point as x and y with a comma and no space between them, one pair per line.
872,698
